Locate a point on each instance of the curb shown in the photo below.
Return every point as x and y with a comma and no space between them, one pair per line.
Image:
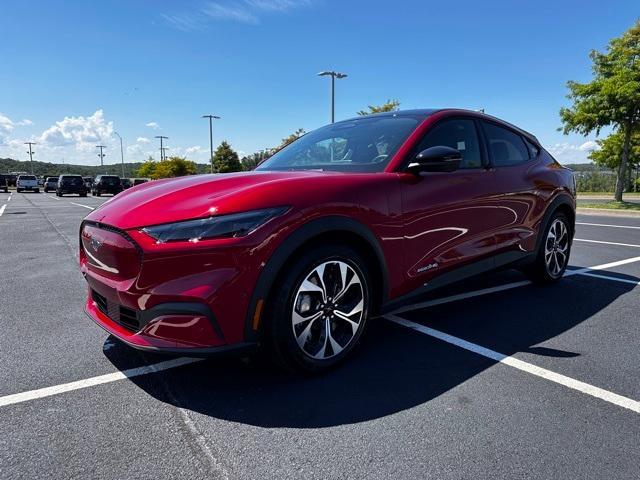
608,212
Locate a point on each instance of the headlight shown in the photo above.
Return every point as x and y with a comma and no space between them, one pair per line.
223,226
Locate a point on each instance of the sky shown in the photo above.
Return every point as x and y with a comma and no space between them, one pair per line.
74,72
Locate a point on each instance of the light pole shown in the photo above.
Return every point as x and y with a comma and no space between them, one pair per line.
333,76
101,155
30,152
121,152
164,152
161,137
211,117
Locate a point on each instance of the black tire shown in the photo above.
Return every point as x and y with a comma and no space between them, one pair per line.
279,329
37,190
97,194
543,271
18,190
83,194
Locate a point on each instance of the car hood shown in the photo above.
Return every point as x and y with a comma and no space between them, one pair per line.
198,196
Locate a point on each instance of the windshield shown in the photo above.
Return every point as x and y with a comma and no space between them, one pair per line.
72,180
27,177
361,145
52,179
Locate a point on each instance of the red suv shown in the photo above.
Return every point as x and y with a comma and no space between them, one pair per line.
349,221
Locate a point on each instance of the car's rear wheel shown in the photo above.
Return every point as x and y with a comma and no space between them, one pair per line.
554,250
320,309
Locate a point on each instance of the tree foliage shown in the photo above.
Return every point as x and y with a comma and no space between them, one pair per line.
252,161
612,98
610,150
225,159
291,138
171,167
389,106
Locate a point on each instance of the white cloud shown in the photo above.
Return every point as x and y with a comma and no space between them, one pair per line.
235,12
81,132
241,11
573,153
143,140
153,125
25,122
6,126
194,149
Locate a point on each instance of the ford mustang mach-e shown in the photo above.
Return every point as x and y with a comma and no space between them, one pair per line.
347,222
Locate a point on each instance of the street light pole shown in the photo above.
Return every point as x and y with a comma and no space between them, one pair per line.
121,152
101,155
333,75
30,152
211,117
161,137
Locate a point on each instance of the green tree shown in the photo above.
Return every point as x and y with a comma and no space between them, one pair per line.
225,159
612,98
389,106
147,169
610,150
291,138
252,161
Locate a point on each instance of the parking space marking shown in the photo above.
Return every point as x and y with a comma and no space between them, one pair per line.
55,198
607,225
606,243
81,205
587,271
10,195
2,209
93,381
569,382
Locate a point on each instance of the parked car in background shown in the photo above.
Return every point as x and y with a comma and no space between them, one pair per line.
12,178
346,223
71,184
27,182
126,183
88,181
41,181
106,184
139,181
51,184
4,184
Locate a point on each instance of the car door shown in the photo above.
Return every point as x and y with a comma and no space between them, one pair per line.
450,219
514,162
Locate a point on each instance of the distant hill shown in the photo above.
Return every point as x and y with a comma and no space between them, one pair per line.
53,169
585,167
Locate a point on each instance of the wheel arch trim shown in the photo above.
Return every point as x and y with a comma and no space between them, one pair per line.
303,235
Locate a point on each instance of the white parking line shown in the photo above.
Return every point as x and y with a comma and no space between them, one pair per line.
93,381
55,198
81,205
606,243
569,382
2,209
607,225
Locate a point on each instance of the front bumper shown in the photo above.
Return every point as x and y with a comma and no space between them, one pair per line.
182,328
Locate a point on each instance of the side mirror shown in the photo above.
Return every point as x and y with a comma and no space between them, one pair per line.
436,159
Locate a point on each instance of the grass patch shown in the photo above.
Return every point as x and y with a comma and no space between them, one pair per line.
611,205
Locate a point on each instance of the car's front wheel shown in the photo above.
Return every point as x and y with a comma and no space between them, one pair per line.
320,308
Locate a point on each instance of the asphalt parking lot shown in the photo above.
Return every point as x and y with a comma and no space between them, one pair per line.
495,378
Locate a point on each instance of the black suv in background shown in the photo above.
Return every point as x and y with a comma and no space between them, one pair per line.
106,184
71,184
4,183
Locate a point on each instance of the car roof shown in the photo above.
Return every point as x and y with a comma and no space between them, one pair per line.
424,113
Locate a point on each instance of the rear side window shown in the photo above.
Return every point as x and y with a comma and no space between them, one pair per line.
532,149
506,148
459,134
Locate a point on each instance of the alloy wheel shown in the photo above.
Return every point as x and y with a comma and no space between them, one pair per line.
328,309
556,249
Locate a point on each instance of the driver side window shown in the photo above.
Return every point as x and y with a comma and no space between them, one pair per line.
459,134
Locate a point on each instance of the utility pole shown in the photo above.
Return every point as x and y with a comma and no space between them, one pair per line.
211,117
333,76
161,137
164,152
121,152
101,155
30,152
